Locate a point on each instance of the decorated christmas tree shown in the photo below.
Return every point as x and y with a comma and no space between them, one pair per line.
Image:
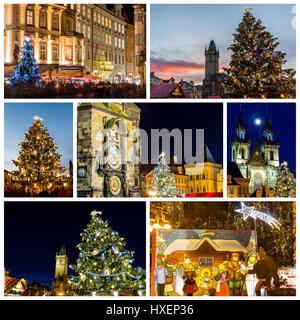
38,163
104,266
286,183
256,66
27,69
163,180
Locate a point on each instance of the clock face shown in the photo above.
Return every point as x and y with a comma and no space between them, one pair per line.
81,172
115,185
114,158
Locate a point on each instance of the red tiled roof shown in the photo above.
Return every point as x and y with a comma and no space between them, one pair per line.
162,90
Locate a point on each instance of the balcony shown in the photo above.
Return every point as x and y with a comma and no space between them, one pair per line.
73,34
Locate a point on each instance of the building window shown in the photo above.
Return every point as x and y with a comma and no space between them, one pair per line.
55,21
43,18
119,27
83,10
55,52
123,29
78,8
231,191
102,20
29,15
88,13
271,155
43,51
106,22
89,32
69,53
116,26
123,62
119,59
83,29
116,42
109,40
95,16
99,18
109,24
123,45
116,59
119,43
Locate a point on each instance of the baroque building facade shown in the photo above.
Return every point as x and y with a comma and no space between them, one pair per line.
104,33
262,165
58,48
108,142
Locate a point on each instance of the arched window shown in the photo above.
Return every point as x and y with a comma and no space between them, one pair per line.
43,18
29,15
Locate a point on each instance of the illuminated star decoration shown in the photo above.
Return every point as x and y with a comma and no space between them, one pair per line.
248,10
250,212
284,164
37,118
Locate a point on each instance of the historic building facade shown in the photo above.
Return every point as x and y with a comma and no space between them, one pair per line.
105,150
262,165
130,51
140,42
104,33
203,177
58,48
193,179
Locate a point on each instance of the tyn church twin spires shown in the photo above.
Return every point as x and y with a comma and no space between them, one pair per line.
261,166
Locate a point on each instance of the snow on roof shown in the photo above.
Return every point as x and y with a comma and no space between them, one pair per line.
194,244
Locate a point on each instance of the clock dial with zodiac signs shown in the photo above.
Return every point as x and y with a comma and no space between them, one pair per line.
115,185
114,158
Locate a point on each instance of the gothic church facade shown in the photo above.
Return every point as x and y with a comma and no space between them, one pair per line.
262,165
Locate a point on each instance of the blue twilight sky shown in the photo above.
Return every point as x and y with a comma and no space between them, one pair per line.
179,34
57,117
283,120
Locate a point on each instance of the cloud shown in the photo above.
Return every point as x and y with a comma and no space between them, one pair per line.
176,68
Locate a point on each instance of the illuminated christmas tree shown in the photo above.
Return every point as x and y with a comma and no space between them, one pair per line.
163,180
27,69
104,265
256,67
38,163
286,183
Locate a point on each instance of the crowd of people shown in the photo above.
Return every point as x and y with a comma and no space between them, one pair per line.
75,89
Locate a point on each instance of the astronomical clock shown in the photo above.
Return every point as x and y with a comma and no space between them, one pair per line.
104,168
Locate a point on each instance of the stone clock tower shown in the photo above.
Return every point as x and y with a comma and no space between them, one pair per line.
61,267
104,151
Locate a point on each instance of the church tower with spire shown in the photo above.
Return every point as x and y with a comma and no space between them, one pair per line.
261,165
240,146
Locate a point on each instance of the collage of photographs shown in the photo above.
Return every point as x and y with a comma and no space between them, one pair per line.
133,165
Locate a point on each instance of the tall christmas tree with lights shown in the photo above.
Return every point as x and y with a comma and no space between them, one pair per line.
256,67
285,184
38,163
163,180
104,265
26,71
